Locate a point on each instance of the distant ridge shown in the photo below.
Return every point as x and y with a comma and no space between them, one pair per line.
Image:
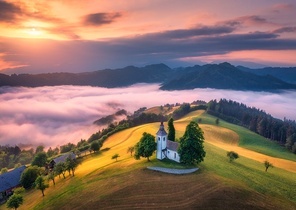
225,76
219,76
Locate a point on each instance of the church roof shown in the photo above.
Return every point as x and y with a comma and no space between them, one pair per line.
172,145
11,179
161,131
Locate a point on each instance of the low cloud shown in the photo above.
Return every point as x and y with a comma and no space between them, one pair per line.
57,115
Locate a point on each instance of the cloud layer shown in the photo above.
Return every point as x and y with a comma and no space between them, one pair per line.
57,115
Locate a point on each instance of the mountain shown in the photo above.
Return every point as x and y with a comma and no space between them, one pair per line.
224,76
219,76
103,78
287,74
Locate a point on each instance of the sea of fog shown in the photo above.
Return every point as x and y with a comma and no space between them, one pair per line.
53,116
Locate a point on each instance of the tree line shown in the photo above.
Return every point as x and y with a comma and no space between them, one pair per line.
256,120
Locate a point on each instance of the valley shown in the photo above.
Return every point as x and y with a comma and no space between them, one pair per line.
100,182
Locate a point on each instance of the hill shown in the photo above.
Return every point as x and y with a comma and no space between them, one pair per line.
102,183
219,76
224,76
287,74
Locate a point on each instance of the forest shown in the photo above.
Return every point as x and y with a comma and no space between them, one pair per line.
281,131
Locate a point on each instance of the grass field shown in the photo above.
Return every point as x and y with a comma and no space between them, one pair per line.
103,183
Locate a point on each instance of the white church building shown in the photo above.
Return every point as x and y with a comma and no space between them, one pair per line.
166,148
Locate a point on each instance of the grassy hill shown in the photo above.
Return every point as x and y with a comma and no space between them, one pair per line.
103,183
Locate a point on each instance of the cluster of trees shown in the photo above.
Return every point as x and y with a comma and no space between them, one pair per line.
191,149
185,108
14,156
282,131
37,177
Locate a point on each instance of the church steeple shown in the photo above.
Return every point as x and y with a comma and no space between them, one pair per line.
161,131
161,139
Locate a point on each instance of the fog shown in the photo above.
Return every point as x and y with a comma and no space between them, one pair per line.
53,116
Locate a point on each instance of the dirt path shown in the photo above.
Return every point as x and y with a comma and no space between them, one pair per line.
173,170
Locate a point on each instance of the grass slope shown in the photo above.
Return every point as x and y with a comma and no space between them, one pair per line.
103,183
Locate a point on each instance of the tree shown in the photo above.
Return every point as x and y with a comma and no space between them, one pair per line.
232,155
217,121
40,159
267,164
14,201
145,147
51,176
40,184
60,168
115,156
29,176
3,170
71,165
291,140
171,129
95,146
131,150
39,149
191,148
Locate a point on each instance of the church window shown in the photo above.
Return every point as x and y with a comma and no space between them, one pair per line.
175,155
158,138
163,138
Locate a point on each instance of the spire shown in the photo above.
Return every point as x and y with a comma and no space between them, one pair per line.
161,131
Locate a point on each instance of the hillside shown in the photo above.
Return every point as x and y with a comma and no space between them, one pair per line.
102,183
224,76
221,76
287,74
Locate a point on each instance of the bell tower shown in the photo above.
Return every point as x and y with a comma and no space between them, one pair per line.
161,139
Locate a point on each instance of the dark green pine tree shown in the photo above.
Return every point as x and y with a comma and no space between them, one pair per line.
171,128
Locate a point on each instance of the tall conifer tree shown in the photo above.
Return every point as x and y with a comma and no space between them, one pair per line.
171,129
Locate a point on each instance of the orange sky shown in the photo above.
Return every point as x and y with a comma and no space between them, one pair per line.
71,35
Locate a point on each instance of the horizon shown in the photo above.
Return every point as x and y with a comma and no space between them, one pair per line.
67,36
11,71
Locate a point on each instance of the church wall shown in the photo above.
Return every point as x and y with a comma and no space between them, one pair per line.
173,155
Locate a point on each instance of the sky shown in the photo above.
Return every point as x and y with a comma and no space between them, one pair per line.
40,36
54,116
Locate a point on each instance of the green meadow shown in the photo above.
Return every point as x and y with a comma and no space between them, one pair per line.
103,183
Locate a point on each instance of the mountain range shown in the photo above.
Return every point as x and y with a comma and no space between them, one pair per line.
219,76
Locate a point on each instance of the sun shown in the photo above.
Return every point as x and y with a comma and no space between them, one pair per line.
34,31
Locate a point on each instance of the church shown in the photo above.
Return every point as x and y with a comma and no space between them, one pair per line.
166,148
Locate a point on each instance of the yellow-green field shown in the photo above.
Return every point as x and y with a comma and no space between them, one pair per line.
103,183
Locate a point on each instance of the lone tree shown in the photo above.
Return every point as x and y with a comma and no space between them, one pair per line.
267,164
217,121
191,147
131,150
171,130
14,201
145,147
115,157
40,184
232,155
